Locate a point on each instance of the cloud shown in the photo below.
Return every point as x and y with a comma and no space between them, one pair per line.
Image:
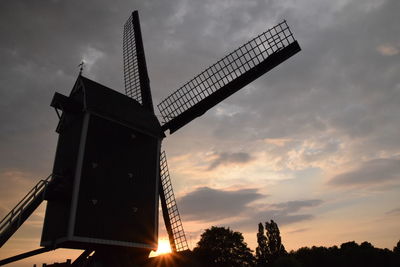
298,230
90,56
372,172
229,158
287,212
294,206
283,213
238,208
14,186
207,204
388,49
395,211
277,141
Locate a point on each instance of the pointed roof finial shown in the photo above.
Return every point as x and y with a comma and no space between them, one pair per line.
81,66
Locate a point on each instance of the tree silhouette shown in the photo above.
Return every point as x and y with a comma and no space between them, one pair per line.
270,246
220,246
350,254
396,249
287,261
262,248
223,247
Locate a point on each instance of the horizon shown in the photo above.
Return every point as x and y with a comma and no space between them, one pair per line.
312,145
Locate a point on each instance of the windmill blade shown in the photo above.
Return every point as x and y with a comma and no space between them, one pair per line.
172,219
136,79
227,76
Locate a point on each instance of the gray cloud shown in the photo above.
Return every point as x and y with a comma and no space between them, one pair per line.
226,158
207,204
283,213
395,211
338,81
294,206
301,230
339,92
372,172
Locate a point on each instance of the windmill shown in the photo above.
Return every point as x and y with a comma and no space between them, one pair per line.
109,170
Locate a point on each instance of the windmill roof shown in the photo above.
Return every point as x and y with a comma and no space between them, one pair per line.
110,104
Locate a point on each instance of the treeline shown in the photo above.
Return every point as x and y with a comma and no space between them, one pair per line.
222,247
348,254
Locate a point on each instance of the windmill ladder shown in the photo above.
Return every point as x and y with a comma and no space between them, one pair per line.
17,216
173,223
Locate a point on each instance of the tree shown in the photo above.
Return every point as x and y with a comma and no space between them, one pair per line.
350,254
270,246
220,246
275,245
287,262
262,248
396,249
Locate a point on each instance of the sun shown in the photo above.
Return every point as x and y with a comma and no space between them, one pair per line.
163,248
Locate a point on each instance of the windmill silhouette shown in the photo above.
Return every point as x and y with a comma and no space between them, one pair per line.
109,170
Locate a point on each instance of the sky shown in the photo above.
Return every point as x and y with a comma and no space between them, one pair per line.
313,144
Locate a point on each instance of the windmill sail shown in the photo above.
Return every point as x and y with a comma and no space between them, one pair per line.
172,219
227,76
137,84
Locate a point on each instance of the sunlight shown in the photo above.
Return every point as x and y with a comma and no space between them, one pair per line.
163,248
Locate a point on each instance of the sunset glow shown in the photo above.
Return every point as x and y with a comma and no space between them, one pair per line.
163,248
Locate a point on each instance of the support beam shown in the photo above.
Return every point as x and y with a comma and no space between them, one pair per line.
24,255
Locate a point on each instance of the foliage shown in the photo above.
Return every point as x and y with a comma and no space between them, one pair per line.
350,254
275,246
220,246
287,261
262,248
270,246
396,249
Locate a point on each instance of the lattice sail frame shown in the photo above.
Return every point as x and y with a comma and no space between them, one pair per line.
131,66
177,237
226,70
